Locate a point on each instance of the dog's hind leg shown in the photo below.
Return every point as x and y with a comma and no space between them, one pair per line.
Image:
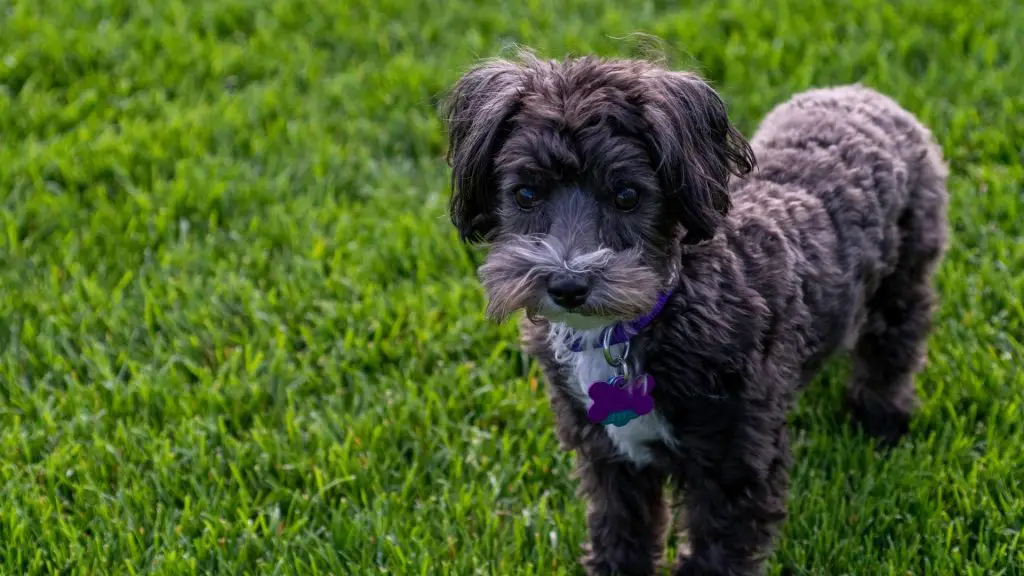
881,395
892,343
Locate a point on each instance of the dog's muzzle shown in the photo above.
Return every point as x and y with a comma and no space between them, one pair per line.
568,291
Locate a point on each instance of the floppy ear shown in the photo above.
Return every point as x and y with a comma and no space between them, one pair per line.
477,113
697,149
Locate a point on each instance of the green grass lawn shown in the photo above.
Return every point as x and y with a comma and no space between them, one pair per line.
238,336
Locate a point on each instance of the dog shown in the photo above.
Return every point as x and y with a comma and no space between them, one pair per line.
680,284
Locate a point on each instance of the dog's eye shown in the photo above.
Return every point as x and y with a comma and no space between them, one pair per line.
626,199
526,197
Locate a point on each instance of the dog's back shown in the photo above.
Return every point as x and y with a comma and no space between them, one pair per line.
858,185
873,166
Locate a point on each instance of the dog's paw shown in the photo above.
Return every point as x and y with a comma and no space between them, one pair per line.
622,564
884,421
688,566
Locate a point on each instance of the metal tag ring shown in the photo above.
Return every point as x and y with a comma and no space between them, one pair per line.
611,360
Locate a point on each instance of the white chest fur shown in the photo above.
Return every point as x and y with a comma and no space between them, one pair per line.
631,440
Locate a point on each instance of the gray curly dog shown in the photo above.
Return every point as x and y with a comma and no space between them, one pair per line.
647,241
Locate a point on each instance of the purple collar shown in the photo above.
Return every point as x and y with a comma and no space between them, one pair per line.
623,331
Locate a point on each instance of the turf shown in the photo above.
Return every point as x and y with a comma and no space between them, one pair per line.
238,336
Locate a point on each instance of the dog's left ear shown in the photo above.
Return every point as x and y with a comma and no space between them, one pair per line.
697,150
477,113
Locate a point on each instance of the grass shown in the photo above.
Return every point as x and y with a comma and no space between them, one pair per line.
237,334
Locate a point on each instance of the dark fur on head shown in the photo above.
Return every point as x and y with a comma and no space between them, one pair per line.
575,134
829,246
582,116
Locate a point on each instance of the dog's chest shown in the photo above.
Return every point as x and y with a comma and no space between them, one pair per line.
632,440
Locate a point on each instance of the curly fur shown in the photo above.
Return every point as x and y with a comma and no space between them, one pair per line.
828,245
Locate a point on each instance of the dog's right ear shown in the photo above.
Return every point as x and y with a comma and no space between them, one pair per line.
477,113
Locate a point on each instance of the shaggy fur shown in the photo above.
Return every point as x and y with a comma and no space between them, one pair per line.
828,244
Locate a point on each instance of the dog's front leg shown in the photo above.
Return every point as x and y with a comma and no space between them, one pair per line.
626,514
735,501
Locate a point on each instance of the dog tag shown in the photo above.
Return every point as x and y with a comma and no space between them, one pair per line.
618,402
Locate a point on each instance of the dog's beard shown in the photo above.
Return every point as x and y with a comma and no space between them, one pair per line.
515,275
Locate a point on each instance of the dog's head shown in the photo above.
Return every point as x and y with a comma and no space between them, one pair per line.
584,176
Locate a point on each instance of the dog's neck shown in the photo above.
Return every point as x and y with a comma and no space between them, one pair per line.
577,333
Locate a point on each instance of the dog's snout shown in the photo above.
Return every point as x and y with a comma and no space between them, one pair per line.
568,291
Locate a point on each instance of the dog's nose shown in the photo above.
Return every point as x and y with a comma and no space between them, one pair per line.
568,291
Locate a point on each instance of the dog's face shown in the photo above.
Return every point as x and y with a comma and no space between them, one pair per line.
584,176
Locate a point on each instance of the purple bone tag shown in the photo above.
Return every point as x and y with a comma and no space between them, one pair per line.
616,403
